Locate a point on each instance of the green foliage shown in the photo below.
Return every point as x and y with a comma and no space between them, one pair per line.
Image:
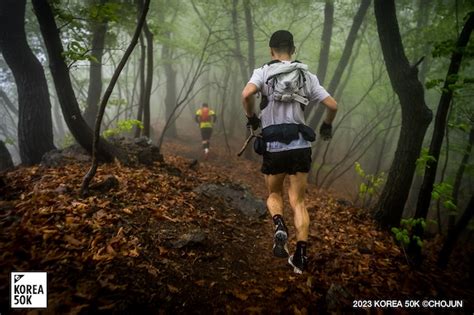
359,170
455,82
401,235
442,189
68,140
449,204
405,233
371,183
422,161
434,83
443,192
459,126
9,141
105,12
442,35
117,102
76,52
123,126
78,19
64,15
468,80
444,48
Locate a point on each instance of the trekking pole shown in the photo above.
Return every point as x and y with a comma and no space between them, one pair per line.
246,143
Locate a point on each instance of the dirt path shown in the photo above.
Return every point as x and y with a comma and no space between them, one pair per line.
246,276
155,245
349,257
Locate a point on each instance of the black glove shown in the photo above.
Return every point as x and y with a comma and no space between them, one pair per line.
325,131
253,122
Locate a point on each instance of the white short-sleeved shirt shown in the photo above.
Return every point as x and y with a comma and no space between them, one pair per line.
289,113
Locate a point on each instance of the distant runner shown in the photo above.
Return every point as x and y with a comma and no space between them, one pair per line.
287,87
206,118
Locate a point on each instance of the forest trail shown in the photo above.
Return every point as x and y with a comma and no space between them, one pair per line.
153,244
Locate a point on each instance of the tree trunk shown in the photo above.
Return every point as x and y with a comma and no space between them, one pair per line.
325,41
225,104
250,36
341,66
234,110
452,237
422,22
148,81
170,73
416,116
337,96
380,155
94,91
6,162
239,57
238,50
443,173
459,175
424,196
60,72
132,103
141,95
35,127
100,114
410,205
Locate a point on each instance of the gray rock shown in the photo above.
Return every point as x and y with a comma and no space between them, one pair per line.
60,157
236,196
193,238
142,141
149,155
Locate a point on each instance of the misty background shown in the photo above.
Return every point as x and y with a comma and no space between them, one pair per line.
192,52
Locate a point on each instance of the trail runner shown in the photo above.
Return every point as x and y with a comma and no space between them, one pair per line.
286,87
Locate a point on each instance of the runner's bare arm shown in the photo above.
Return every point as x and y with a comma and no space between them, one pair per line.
331,106
247,99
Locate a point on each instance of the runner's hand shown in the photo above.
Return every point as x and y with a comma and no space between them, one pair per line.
325,131
253,122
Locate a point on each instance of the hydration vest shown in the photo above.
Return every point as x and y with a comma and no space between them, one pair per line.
204,117
286,83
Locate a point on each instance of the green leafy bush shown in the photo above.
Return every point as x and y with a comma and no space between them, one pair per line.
404,234
370,183
423,160
123,126
76,51
443,192
68,140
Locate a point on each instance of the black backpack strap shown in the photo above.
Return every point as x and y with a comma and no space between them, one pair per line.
263,102
272,62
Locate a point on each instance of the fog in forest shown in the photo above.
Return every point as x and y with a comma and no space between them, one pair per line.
110,188
194,52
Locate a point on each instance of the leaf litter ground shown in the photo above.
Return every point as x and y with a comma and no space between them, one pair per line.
153,244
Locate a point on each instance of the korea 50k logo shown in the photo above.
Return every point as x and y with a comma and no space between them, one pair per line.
29,289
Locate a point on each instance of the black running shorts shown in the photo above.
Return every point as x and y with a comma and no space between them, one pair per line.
289,162
206,133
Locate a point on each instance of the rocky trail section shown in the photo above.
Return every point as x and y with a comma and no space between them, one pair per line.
171,238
